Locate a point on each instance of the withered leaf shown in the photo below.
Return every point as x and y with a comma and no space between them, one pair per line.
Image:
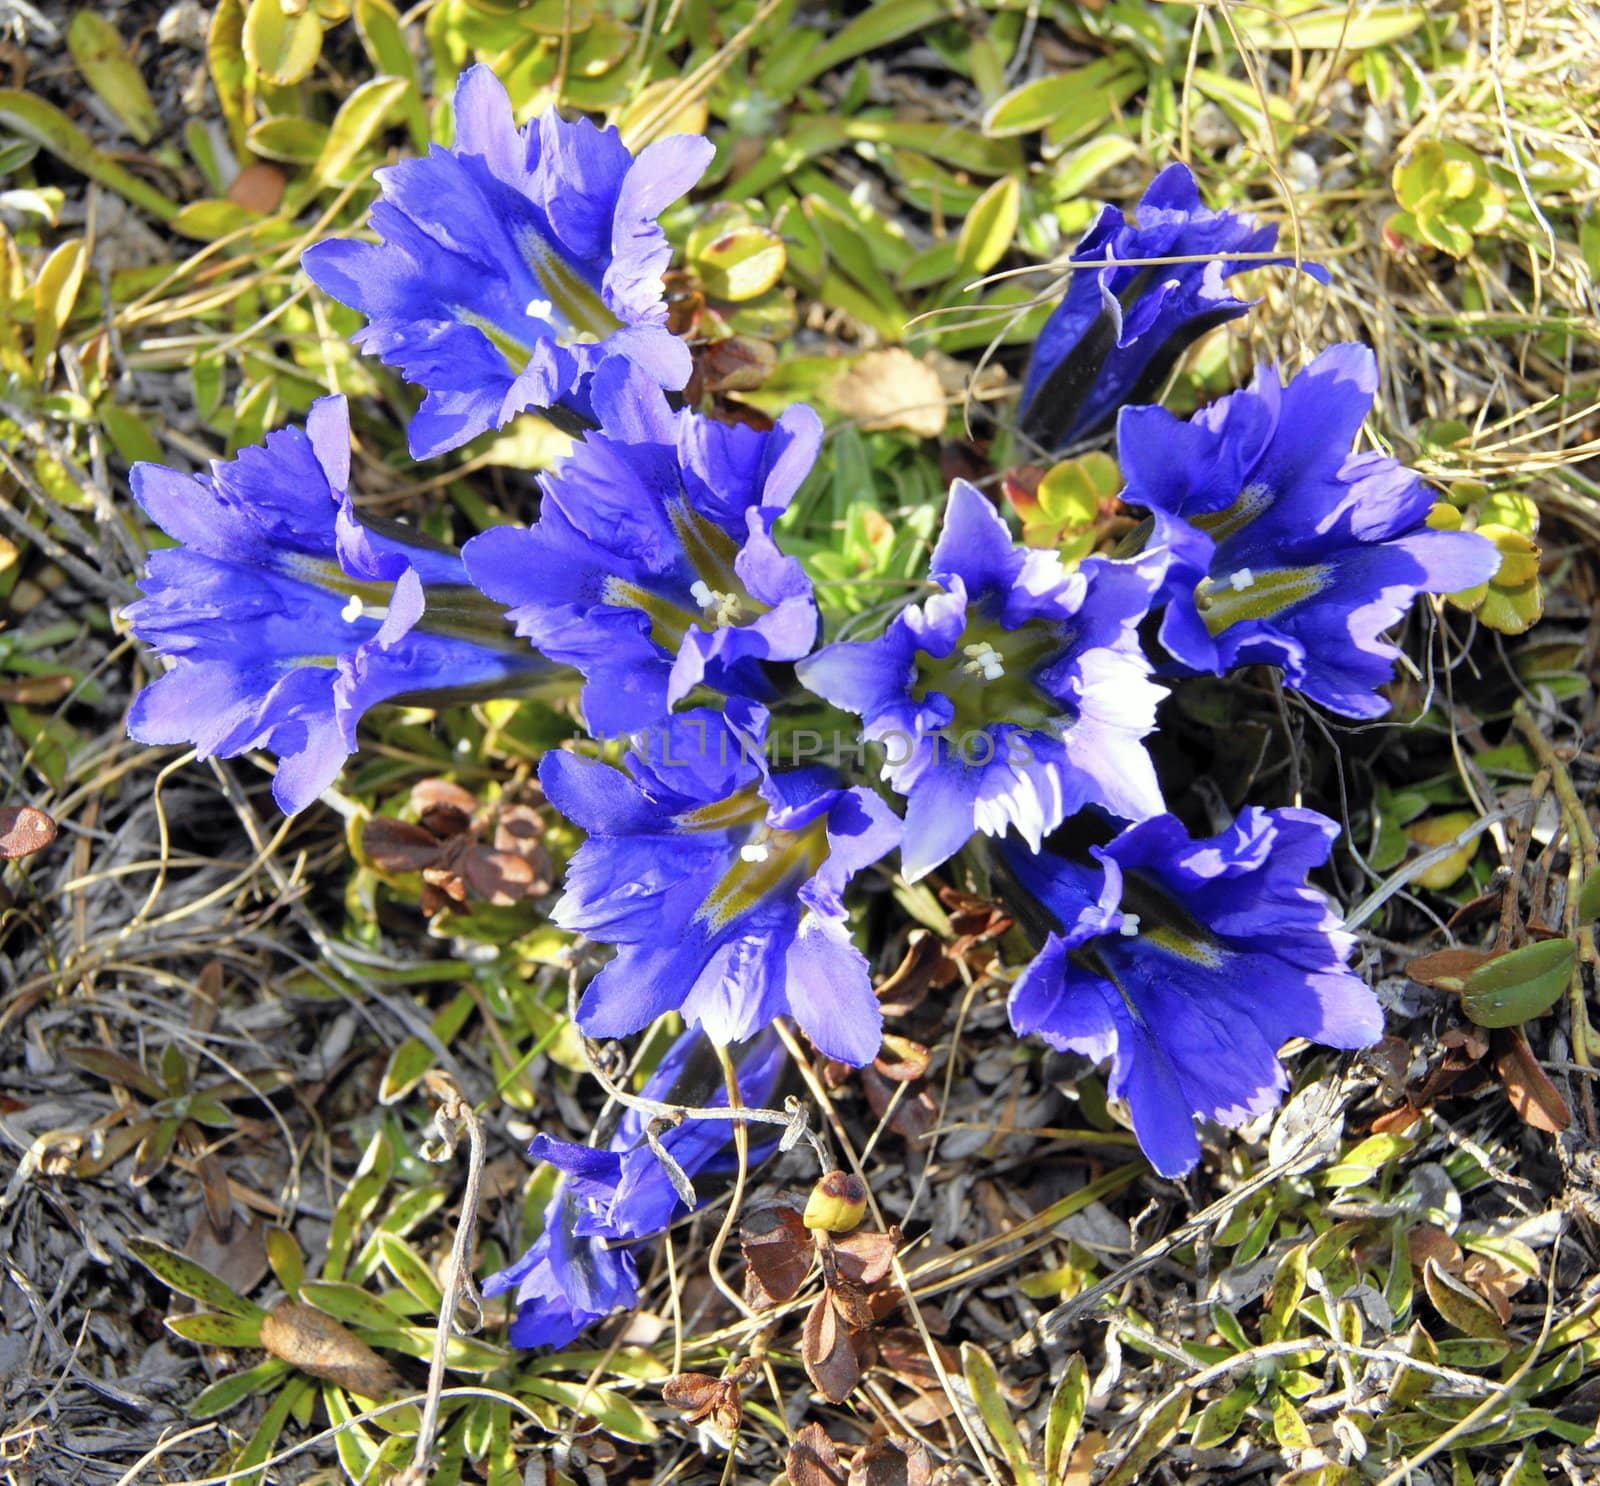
702,1398
1425,1242
911,1116
398,845
901,1060
690,1391
315,1343
499,876
925,967
813,1459
865,1258
903,1352
442,795
23,831
1536,1100
34,690
258,188
829,1353
891,1463
777,1252
1447,969
853,1303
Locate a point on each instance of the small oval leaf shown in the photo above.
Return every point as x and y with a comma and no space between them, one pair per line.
1514,987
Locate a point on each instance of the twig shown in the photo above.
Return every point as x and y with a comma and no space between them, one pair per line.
453,1115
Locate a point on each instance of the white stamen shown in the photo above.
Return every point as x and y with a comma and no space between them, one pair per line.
755,851
1241,580
1129,925
353,609
722,607
983,660
539,309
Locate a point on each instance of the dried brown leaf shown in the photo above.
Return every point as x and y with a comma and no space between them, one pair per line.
777,1253
315,1343
398,845
1447,969
258,188
865,1258
23,831
891,1463
901,1060
1536,1100
891,388
829,1352
813,1459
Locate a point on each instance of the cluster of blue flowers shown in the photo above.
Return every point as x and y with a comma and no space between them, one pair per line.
522,270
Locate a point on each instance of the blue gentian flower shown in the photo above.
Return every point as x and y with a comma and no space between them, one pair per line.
581,1267
652,568
512,265
721,885
1014,697
1124,321
1287,549
286,618
1189,964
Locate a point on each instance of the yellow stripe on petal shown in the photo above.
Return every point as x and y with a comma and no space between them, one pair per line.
1246,594
764,865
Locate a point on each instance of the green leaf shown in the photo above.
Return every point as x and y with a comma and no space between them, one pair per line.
615,1414
1589,898
358,1200
230,73
1065,1419
178,1272
360,117
47,126
1220,1418
987,233
96,46
287,137
229,1392
1287,25
1366,1159
1149,1442
288,1263
411,1269
741,263
1461,1305
1514,987
262,1442
129,434
348,1303
984,1382
379,28
55,292
875,27
206,221
1045,100
463,1353
215,1329
283,48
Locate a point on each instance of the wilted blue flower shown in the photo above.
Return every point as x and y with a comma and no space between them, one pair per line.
1124,321
286,618
652,567
1189,964
1013,698
581,1268
1287,549
510,266
721,886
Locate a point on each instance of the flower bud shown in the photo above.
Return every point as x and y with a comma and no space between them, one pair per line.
837,1203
